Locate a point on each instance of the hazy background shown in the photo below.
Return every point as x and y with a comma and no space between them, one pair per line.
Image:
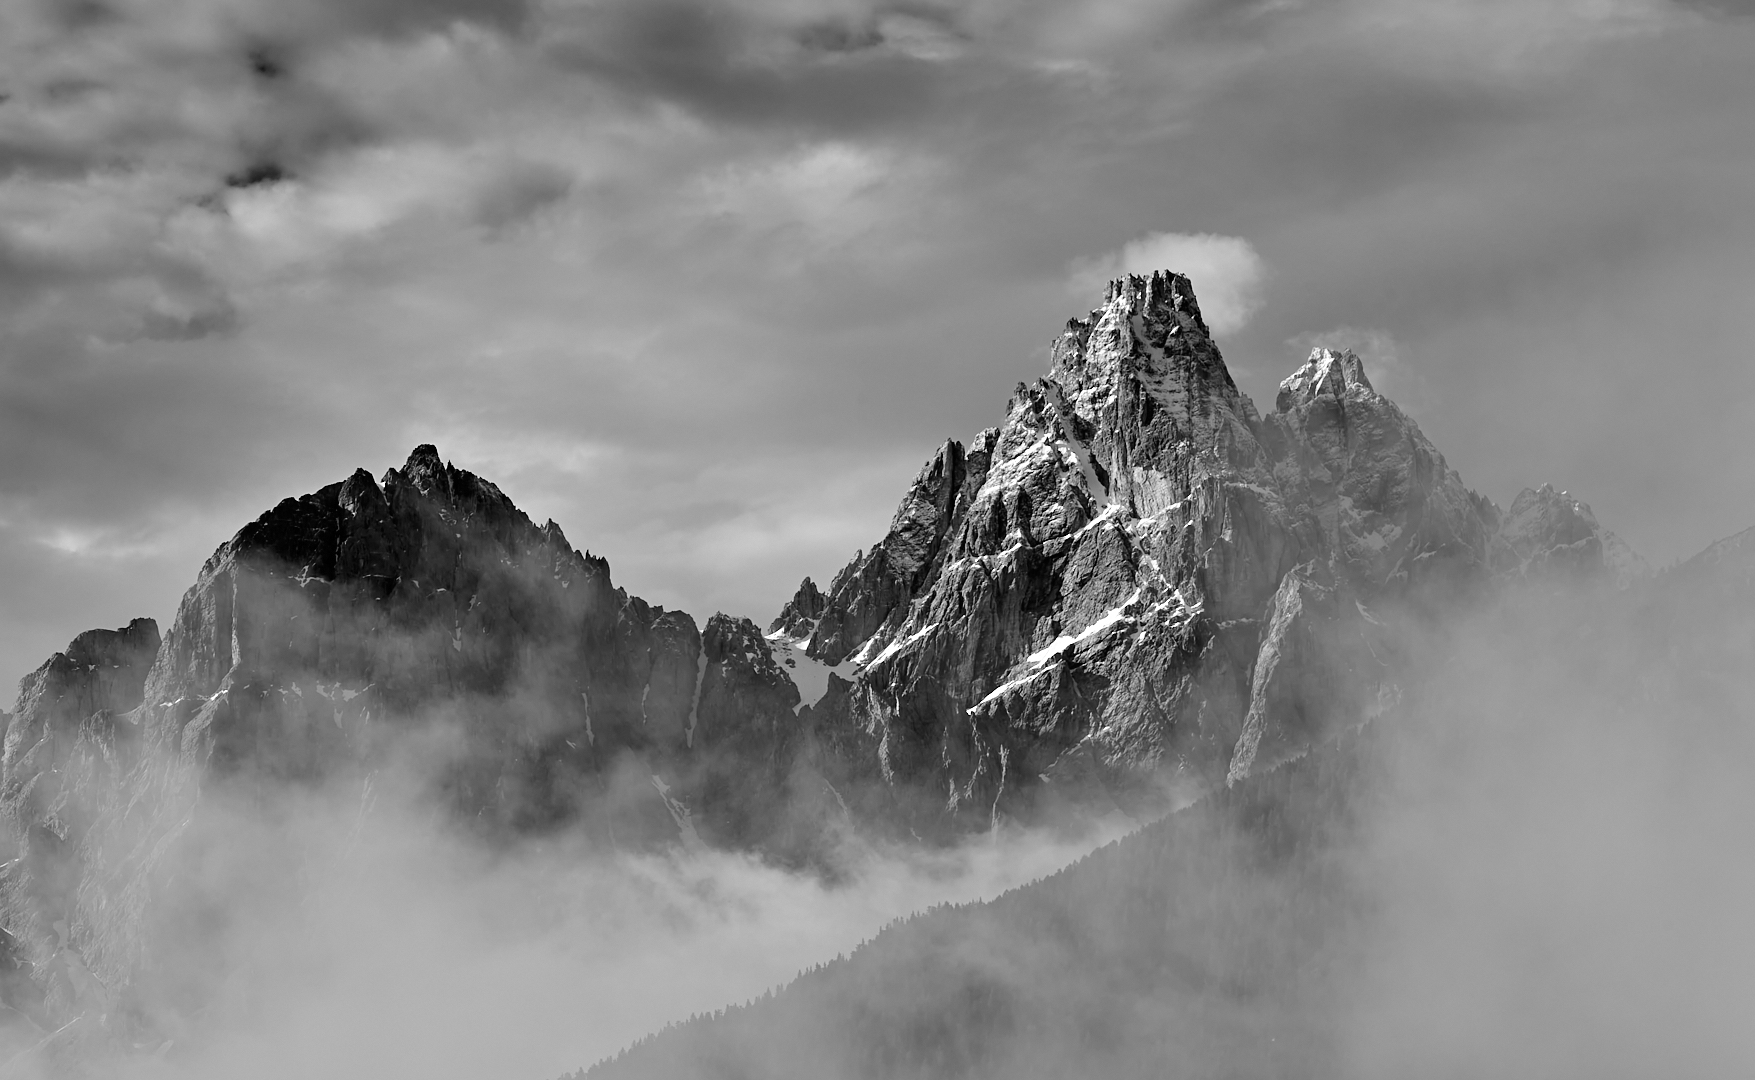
706,281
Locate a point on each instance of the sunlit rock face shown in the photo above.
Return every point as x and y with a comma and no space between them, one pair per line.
1137,586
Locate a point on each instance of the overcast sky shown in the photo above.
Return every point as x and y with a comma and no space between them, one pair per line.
707,281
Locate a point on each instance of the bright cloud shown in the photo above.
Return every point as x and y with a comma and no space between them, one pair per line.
1226,272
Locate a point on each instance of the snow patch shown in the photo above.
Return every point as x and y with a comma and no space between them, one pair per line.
1039,659
1066,641
1001,689
695,705
808,674
680,814
1073,450
895,647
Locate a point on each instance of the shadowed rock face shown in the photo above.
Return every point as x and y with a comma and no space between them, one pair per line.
1548,532
1135,588
419,626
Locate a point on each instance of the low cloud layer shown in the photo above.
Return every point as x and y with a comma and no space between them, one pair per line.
680,271
400,945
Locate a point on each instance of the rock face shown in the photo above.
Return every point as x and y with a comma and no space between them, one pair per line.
326,642
1225,937
65,749
1549,532
1136,588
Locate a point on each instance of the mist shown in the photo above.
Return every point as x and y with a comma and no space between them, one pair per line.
1535,866
359,931
1560,866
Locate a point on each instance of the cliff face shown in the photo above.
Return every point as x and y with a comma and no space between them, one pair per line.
1137,586
419,625
67,748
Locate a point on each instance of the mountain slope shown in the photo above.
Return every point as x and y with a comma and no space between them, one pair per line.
1118,595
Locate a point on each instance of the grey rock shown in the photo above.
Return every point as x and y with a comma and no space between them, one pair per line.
1087,601
1548,532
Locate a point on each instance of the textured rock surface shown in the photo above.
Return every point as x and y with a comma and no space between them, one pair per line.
1116,596
1548,532
327,641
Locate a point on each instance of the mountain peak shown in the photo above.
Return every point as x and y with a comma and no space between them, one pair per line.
1326,373
425,468
1147,323
1547,529
1158,294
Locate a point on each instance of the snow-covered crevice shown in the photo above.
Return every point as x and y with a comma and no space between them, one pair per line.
1073,449
1066,641
681,815
808,674
1037,663
695,704
590,736
862,661
897,646
1006,687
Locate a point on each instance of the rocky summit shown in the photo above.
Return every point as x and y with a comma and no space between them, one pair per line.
1135,589
1138,586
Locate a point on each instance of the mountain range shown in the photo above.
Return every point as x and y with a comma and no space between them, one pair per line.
1138,593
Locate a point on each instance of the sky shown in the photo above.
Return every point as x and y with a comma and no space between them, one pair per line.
706,282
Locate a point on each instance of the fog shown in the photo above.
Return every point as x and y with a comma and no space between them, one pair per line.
1560,867
344,937
1536,865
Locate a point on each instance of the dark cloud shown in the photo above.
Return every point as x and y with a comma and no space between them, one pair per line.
258,173
723,64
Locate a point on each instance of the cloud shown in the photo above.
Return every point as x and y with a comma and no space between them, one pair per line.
408,946
1226,272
